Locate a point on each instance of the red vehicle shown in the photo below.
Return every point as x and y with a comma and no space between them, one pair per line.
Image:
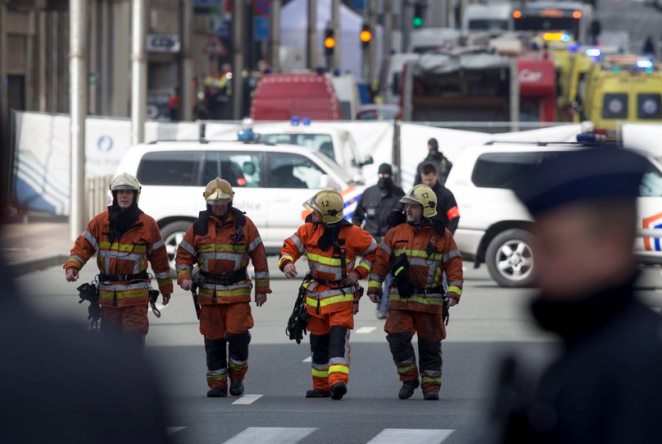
281,96
537,88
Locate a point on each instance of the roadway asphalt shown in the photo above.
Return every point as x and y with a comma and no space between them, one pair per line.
489,321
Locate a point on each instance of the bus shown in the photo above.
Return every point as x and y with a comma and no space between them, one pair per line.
572,18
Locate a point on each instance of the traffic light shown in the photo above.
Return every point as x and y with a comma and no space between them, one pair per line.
329,42
366,35
417,19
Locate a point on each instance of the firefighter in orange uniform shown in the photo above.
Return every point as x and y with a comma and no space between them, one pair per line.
221,241
417,253
124,239
331,245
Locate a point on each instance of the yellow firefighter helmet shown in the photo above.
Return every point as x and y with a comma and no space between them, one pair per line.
424,196
329,203
218,191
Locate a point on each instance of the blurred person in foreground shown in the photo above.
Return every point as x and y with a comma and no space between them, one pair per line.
60,384
605,385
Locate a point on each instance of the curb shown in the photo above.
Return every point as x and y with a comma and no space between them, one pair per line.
21,268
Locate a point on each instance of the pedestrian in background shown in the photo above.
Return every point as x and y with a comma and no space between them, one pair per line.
447,209
372,213
175,105
442,165
605,386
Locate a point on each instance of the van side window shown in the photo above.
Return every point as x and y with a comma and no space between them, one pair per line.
239,168
292,171
501,170
651,183
170,168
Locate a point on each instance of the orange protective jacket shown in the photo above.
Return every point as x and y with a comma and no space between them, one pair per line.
129,255
429,255
324,295
215,252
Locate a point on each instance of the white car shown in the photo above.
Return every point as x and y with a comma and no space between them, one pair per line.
495,228
337,144
270,183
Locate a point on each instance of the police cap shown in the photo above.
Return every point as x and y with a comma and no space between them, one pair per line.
594,174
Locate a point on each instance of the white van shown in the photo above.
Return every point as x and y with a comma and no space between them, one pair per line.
495,227
492,17
270,183
336,144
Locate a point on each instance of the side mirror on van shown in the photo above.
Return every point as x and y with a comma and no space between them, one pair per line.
368,160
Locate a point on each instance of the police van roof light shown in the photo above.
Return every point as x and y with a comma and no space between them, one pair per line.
306,121
593,52
294,121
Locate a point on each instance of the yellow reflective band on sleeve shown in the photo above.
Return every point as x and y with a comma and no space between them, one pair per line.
76,260
339,369
323,259
330,300
320,373
365,264
260,283
397,272
374,284
285,258
419,253
455,289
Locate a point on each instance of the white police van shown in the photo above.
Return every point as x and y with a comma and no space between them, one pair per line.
271,182
495,228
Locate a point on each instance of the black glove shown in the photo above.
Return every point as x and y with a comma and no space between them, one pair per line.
400,272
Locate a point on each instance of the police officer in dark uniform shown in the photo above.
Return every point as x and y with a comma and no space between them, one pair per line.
374,207
441,163
447,209
606,384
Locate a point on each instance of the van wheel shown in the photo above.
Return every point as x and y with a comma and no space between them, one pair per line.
173,234
509,258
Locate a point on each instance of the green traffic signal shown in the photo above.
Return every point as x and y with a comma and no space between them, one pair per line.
417,22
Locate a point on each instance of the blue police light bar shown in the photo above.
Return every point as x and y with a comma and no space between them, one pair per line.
294,121
593,52
306,121
644,64
573,48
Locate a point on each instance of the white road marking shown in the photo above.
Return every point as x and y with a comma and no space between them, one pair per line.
173,430
365,330
413,436
270,435
247,399
308,359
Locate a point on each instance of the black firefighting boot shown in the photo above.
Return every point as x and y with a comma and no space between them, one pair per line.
236,388
407,389
216,392
314,393
431,396
338,390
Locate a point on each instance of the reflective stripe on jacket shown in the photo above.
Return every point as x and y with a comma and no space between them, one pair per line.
325,264
215,253
129,255
429,255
